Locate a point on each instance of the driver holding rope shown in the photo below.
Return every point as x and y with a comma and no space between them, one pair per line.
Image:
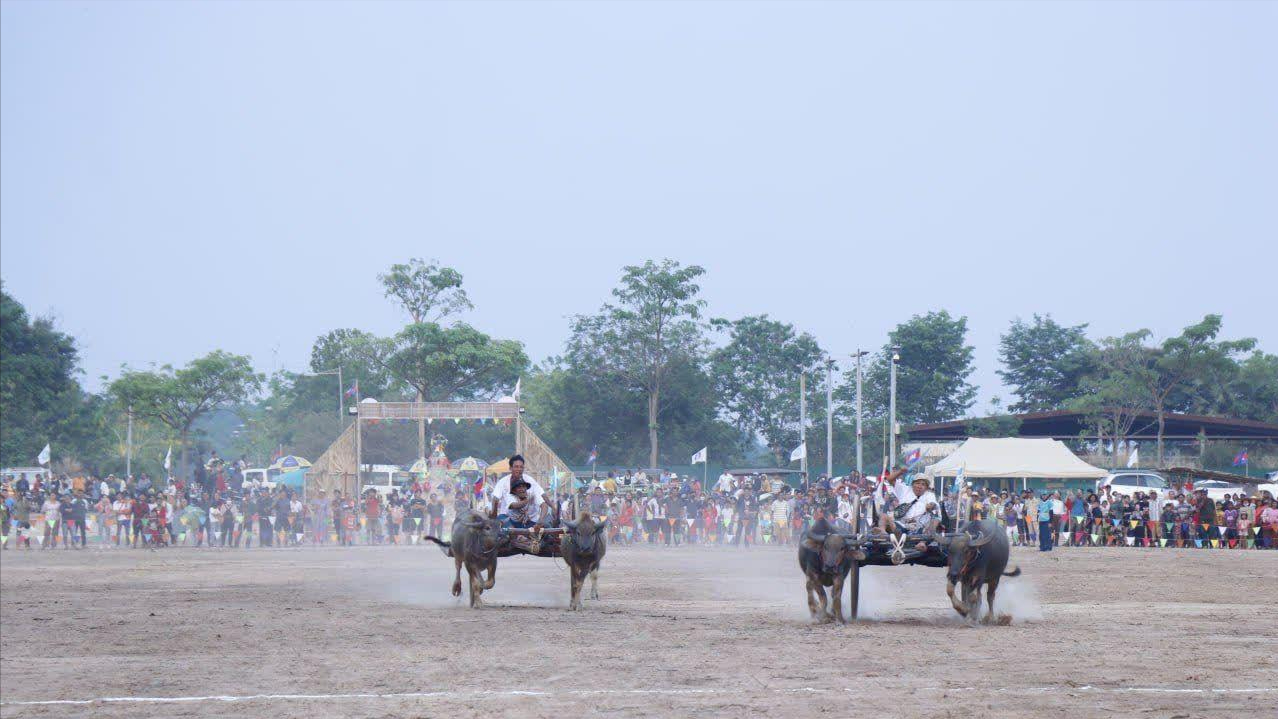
920,506
517,502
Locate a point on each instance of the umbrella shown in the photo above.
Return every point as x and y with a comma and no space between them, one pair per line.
470,464
421,466
289,462
499,468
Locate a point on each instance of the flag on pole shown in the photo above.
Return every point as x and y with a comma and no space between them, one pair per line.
799,452
594,455
913,457
1241,459
353,390
958,481
518,382
1133,459
168,459
43,457
700,457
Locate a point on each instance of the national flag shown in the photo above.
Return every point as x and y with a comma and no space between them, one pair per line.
799,452
1241,459
1133,459
594,455
43,457
913,457
353,390
700,457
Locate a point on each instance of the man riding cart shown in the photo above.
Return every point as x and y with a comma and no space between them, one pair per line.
526,514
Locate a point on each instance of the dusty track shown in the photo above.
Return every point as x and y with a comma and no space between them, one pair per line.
713,631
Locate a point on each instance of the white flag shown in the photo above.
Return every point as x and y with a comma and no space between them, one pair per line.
168,458
43,459
700,457
799,452
1133,459
515,394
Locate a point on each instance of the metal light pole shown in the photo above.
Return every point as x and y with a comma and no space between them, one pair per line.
128,446
860,468
829,418
803,423
896,357
341,401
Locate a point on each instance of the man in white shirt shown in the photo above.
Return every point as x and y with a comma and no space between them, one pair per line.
505,494
725,483
921,504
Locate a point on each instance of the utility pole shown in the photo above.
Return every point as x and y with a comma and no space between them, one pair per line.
896,357
803,423
860,468
128,446
829,418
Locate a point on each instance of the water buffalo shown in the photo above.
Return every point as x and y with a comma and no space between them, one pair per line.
826,557
978,554
474,543
583,547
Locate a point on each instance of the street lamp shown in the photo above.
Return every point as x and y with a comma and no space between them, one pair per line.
896,359
860,469
341,402
829,418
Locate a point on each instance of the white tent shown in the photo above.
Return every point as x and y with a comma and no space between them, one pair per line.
1014,457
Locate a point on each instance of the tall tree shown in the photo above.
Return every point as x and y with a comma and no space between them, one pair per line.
1163,370
430,294
178,398
1045,363
1112,400
426,291
756,377
931,383
651,330
445,364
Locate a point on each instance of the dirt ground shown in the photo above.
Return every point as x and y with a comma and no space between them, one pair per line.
372,631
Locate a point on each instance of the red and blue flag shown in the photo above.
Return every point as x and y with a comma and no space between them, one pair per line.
1241,459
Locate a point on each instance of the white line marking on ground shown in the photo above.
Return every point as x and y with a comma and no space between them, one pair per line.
615,692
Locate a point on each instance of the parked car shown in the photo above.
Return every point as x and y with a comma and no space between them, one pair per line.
1129,482
1216,489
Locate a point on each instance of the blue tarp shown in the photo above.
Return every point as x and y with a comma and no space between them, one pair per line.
295,479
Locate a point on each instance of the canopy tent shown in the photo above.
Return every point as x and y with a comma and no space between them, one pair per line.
295,479
498,469
1015,458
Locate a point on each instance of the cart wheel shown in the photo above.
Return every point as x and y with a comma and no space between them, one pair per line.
854,591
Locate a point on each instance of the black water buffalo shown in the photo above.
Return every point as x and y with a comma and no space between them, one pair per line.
826,557
474,543
978,554
583,547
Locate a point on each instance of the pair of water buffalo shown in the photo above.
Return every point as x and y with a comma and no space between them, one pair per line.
977,557
478,541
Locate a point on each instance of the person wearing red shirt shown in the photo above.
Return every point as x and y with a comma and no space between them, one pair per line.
372,518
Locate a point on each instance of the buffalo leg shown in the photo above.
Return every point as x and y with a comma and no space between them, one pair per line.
476,587
836,599
854,591
959,606
457,581
825,605
594,584
989,599
972,596
574,589
492,575
812,603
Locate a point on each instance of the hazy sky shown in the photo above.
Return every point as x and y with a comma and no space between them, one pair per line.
180,177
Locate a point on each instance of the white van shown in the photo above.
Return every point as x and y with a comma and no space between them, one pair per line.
1129,482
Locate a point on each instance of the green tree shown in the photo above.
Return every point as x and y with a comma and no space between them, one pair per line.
360,356
428,292
178,398
1111,400
931,383
756,377
651,331
1045,363
445,364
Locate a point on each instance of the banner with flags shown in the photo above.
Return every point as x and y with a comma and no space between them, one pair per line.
43,458
700,457
799,452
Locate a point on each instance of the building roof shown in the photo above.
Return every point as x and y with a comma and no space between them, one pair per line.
1065,424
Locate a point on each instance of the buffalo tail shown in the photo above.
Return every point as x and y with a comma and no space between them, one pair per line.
448,546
